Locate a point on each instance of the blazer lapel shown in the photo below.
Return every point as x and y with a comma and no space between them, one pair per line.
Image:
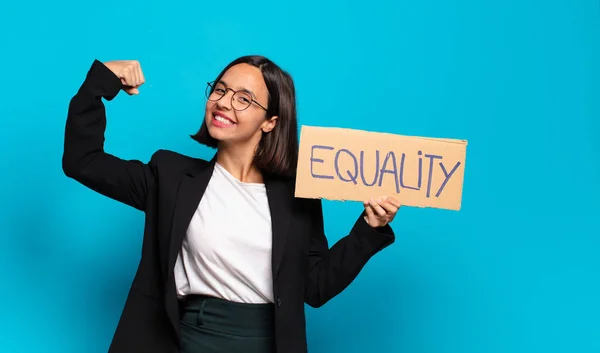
189,193
191,189
281,216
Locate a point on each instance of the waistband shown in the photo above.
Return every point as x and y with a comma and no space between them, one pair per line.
243,319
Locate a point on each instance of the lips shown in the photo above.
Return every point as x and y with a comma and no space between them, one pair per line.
222,120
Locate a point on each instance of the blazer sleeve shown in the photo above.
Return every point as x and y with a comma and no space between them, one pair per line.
84,158
331,270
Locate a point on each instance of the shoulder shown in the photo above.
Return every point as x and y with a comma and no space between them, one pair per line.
175,162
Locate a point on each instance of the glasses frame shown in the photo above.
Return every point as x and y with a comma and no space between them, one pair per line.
210,89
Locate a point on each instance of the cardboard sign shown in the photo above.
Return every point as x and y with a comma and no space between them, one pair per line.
345,164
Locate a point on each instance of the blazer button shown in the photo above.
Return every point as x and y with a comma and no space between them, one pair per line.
278,302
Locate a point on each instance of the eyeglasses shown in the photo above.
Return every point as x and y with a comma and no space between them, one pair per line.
240,100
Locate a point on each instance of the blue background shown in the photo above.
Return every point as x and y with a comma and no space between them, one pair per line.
516,270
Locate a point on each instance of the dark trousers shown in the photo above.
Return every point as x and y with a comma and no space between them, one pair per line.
211,325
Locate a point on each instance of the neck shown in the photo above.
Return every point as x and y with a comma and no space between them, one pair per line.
239,162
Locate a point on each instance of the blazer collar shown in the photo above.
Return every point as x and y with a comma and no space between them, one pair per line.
280,196
190,191
191,188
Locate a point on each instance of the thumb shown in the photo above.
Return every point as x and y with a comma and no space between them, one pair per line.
369,214
132,91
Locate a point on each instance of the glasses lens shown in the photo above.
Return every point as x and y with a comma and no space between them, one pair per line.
208,89
218,91
241,100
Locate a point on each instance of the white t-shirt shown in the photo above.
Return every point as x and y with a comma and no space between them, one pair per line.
226,252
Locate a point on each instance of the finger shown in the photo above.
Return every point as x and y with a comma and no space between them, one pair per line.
393,201
369,212
388,207
138,74
132,91
134,76
377,209
133,82
130,77
142,78
125,78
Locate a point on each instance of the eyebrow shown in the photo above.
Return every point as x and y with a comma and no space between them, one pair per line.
241,89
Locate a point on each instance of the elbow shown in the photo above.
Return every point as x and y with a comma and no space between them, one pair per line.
314,301
70,159
313,296
74,164
70,167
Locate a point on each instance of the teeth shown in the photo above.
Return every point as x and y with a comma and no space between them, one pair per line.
223,120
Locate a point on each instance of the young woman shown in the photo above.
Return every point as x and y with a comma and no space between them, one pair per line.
229,256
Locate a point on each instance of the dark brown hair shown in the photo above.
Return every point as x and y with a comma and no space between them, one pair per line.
277,151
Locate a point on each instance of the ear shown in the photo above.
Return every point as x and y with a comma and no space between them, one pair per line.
269,125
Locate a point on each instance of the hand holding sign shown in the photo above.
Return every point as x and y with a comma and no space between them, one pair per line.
381,211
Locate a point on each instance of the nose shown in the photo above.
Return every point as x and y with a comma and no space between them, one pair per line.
225,101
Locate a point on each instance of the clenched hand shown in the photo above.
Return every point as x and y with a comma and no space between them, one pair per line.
130,73
381,211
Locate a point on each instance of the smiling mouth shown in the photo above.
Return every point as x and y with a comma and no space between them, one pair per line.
221,121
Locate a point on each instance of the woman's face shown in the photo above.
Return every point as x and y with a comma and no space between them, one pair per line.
225,122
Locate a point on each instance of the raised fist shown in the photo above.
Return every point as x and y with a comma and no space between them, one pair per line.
130,73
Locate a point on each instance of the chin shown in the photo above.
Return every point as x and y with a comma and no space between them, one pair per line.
215,133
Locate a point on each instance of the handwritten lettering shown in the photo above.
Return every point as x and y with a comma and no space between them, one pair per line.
418,187
362,169
393,171
431,158
350,167
447,177
351,176
318,160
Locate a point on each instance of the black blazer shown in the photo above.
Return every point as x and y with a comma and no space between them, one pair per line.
168,189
